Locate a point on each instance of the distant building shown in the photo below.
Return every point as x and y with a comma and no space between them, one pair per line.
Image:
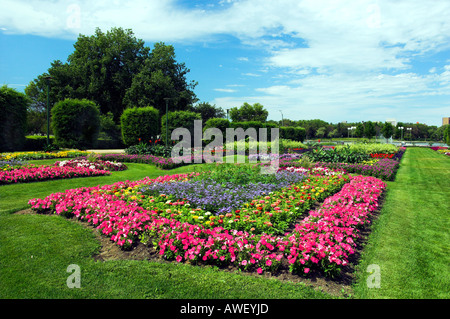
392,121
445,120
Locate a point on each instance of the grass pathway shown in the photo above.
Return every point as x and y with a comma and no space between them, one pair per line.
410,242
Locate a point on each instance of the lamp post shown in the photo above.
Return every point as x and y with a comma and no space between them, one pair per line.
410,133
282,120
48,78
401,128
228,113
167,116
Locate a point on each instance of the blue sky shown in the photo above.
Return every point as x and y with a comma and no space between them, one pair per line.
336,60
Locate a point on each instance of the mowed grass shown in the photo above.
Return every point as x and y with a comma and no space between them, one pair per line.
410,240
36,250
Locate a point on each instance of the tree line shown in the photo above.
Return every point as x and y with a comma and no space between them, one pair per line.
116,71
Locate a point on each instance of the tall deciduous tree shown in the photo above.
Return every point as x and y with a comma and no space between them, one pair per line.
116,70
369,130
248,112
208,111
161,77
387,130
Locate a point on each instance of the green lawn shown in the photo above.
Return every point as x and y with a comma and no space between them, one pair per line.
410,243
411,240
35,251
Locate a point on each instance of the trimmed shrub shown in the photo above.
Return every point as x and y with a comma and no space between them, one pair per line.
76,123
13,120
178,119
293,133
139,124
220,123
37,143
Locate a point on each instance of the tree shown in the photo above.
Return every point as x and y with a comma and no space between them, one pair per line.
333,133
116,70
208,111
247,112
321,132
359,131
447,135
369,130
387,130
311,126
161,77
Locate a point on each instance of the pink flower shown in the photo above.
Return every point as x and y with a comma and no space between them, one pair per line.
259,270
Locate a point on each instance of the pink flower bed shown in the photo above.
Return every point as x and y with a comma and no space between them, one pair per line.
119,219
323,240
40,173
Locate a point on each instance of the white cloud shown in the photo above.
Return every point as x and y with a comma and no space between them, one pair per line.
225,90
251,74
334,56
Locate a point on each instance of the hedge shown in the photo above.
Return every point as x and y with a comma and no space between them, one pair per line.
76,123
139,124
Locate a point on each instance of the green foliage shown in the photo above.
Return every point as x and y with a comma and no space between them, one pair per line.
209,111
369,130
359,132
116,70
293,133
161,77
247,124
247,112
178,119
446,135
139,124
38,143
337,155
149,149
286,145
387,130
220,123
369,148
76,123
13,120
108,128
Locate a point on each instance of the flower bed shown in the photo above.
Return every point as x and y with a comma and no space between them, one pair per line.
11,164
161,162
42,155
324,240
248,237
41,173
101,206
98,164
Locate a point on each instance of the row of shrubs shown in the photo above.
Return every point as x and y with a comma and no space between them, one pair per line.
142,124
76,124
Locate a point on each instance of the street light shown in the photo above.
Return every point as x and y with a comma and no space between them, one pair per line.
401,128
48,78
167,115
410,133
282,120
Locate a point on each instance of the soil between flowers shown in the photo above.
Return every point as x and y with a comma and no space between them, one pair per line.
340,286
